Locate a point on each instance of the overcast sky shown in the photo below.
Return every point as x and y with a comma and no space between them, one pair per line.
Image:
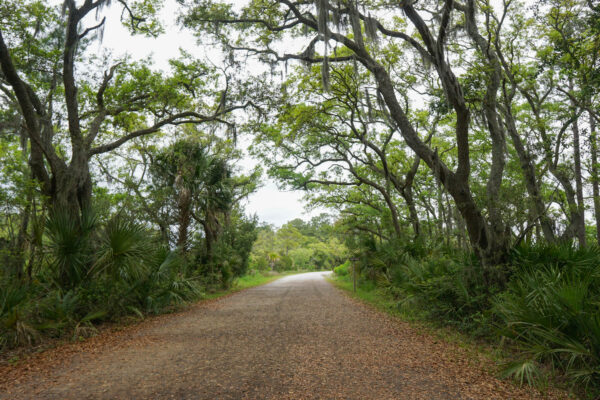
270,204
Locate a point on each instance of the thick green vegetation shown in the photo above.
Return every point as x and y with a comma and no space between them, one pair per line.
457,140
547,311
114,198
298,245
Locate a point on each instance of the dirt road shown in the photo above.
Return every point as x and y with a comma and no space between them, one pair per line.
295,338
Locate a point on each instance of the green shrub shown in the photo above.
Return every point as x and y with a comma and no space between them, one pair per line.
71,245
342,270
547,302
551,310
443,290
15,326
124,248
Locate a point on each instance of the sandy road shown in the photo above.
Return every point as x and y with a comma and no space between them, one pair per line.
295,338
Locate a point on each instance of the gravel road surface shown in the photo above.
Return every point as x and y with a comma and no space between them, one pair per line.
295,338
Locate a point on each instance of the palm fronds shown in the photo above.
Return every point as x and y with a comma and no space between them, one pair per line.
551,310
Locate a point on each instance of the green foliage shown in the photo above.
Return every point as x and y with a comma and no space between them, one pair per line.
548,312
70,238
167,282
100,271
124,246
231,257
196,178
342,270
298,245
551,311
15,328
446,290
353,147
435,284
235,244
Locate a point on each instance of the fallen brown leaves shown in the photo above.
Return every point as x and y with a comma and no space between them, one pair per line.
296,338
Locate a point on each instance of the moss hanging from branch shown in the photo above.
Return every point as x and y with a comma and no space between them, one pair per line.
337,17
371,29
307,55
369,105
322,16
355,66
325,74
356,28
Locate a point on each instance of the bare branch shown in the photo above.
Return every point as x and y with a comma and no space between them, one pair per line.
88,30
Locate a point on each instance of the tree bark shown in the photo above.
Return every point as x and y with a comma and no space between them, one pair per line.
211,234
407,194
490,250
492,118
531,179
17,259
184,219
578,178
595,176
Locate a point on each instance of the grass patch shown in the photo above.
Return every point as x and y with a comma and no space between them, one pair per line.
261,278
248,281
373,295
368,292
482,354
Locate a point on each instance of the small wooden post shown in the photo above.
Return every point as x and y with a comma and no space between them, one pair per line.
354,262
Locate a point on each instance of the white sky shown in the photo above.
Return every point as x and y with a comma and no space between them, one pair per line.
269,203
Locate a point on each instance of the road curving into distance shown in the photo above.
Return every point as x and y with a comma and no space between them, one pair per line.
296,338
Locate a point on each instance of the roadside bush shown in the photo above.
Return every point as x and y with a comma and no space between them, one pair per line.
98,272
15,325
342,270
547,306
71,246
443,290
551,311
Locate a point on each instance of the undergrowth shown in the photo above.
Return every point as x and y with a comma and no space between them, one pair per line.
543,306
97,272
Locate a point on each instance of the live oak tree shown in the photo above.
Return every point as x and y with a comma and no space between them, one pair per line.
465,60
359,147
487,233
71,111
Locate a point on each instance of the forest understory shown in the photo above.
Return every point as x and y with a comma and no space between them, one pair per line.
295,338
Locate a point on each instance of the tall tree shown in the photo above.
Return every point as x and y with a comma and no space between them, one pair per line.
487,233
126,102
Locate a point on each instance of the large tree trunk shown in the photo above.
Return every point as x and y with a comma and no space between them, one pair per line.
393,212
184,205
211,233
407,194
531,180
499,231
412,212
16,257
551,161
578,178
441,211
489,243
71,189
595,177
184,218
490,249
